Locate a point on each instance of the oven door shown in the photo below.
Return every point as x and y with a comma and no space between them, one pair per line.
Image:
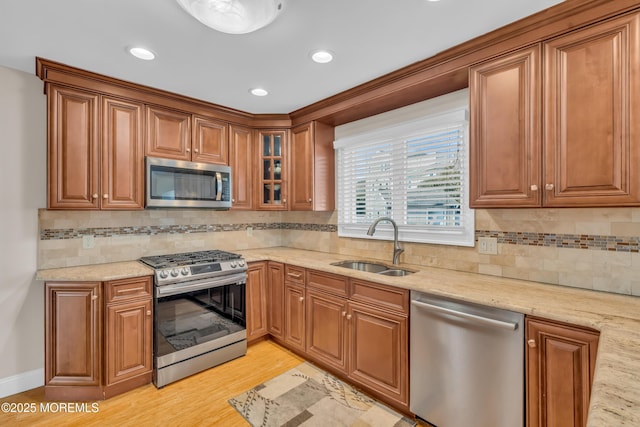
196,317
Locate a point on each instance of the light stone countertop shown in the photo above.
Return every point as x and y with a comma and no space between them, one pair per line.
615,397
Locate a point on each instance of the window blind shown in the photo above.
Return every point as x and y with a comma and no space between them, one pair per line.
415,173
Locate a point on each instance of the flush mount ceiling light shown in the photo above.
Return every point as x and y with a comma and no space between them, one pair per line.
142,53
322,56
233,16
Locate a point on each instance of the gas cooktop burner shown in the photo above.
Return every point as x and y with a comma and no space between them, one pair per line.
188,258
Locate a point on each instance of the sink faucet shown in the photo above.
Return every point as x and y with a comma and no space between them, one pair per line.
397,250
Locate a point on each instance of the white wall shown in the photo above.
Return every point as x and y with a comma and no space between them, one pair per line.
23,171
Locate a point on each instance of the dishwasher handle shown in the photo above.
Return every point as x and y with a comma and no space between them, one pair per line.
484,320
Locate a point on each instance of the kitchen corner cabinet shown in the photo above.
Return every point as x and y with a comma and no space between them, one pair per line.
272,170
98,338
95,151
312,183
178,135
585,131
241,161
560,365
256,301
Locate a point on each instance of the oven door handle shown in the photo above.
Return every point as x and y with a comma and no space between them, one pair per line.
197,285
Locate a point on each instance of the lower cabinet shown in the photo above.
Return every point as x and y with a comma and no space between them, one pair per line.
560,366
98,338
355,329
275,299
256,300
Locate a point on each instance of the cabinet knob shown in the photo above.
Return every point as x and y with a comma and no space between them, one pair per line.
548,187
94,195
534,187
531,343
348,317
188,150
148,312
94,297
233,200
344,313
309,200
105,196
301,299
284,201
195,150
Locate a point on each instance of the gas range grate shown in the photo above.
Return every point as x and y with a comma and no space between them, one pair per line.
188,258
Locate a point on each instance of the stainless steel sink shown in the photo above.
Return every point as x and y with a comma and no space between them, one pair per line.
373,267
396,272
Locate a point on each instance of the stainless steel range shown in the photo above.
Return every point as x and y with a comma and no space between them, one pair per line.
199,312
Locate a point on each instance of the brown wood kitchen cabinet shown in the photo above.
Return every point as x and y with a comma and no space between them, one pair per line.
98,338
312,183
560,366
95,151
585,129
294,308
241,161
275,299
179,135
256,300
272,170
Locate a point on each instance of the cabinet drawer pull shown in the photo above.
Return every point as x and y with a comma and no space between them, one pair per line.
294,275
534,187
548,187
531,343
124,291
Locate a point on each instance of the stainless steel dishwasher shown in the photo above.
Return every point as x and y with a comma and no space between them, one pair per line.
467,363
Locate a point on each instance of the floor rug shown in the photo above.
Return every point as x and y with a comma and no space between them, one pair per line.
308,396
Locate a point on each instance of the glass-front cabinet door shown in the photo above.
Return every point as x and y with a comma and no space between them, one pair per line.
272,163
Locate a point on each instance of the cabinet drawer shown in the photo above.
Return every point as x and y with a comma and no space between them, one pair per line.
294,274
327,282
380,295
126,289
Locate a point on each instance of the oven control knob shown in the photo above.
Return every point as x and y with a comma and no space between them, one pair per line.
174,272
163,274
233,264
241,263
184,271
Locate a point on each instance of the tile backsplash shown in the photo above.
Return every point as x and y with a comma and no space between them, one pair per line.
592,248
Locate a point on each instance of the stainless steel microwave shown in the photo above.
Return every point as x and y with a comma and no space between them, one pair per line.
182,184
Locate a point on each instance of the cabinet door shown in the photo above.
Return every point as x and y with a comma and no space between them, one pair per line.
210,144
256,300
592,128
294,327
312,183
275,299
271,187
73,154
379,351
560,367
241,161
73,338
505,146
128,340
326,329
168,134
122,184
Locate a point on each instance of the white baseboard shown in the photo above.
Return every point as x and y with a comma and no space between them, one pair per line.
21,382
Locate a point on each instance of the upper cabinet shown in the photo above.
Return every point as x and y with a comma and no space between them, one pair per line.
178,135
312,182
586,128
271,182
95,145
241,162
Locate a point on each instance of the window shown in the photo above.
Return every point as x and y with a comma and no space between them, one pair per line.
415,173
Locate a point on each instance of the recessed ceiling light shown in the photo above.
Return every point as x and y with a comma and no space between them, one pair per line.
259,92
142,53
322,56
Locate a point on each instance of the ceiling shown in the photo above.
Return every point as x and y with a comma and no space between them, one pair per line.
369,38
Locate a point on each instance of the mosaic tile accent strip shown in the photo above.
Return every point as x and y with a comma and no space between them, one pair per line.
77,233
574,241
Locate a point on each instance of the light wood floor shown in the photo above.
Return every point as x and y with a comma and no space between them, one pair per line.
199,400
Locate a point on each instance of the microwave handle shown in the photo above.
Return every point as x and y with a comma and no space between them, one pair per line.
218,186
